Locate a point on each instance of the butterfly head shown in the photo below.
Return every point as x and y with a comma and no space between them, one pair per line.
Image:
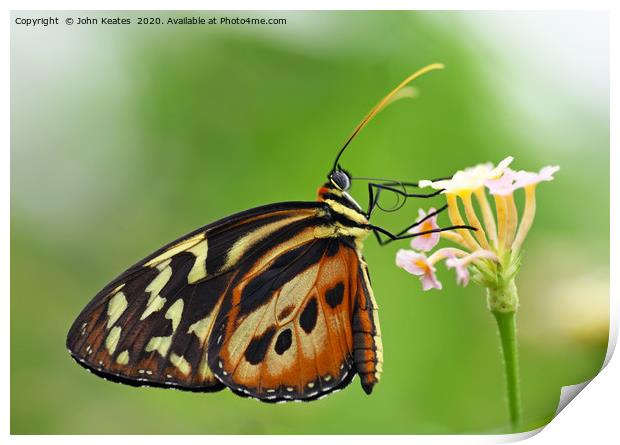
335,191
340,179
338,182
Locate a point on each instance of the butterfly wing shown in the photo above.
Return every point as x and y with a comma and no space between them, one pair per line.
298,324
151,324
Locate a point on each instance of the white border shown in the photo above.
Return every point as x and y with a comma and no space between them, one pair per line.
594,416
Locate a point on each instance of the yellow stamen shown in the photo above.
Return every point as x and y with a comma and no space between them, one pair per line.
473,220
457,220
529,212
453,236
513,219
502,222
487,215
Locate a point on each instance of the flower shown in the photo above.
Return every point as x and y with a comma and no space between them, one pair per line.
417,264
425,223
469,179
491,253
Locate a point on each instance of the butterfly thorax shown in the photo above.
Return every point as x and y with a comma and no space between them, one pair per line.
346,216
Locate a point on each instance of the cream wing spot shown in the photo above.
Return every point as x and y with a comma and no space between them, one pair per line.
177,248
153,306
301,284
159,344
155,302
116,307
163,265
123,358
112,339
117,288
202,329
162,344
180,363
174,314
246,242
204,371
199,269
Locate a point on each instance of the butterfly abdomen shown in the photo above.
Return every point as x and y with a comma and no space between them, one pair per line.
367,344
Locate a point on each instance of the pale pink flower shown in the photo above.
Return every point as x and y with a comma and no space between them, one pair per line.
470,179
417,264
511,180
462,272
524,178
461,264
429,240
504,185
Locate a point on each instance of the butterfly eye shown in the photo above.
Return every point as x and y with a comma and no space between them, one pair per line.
340,179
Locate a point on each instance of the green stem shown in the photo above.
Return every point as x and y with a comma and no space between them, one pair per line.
506,322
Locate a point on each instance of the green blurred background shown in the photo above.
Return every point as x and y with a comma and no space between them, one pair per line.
125,137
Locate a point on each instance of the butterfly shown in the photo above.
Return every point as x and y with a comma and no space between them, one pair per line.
274,303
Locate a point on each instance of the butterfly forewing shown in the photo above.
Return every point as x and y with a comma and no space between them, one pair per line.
151,324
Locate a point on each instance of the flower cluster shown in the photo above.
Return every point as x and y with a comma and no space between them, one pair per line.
492,251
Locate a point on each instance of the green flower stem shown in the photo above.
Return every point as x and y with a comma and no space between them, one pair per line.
506,322
503,302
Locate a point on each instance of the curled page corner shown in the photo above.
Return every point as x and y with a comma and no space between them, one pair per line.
517,437
568,393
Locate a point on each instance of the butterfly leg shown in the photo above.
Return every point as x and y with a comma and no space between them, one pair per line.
393,237
373,197
417,223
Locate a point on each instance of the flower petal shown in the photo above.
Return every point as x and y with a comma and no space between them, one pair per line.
461,264
462,272
523,178
409,260
430,282
503,185
429,240
417,264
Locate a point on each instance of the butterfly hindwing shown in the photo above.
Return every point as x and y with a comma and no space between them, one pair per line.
150,326
288,331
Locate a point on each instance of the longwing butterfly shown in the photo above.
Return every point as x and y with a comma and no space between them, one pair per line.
274,303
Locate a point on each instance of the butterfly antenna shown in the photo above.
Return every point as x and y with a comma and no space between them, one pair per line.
397,93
